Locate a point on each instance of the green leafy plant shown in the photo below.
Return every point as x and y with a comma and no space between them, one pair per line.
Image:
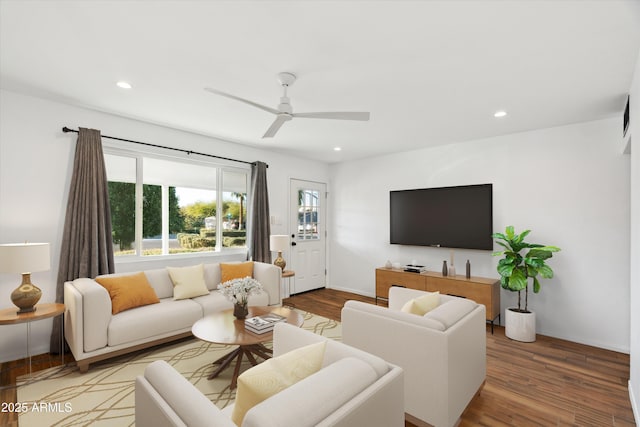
515,269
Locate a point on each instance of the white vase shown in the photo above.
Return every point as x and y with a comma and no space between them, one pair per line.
520,326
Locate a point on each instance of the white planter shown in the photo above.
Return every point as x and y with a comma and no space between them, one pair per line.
520,326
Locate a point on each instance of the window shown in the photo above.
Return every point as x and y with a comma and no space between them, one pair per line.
183,206
308,214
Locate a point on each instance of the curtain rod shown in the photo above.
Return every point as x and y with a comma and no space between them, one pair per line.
189,152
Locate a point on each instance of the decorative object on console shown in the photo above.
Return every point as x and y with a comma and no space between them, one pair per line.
445,270
25,258
468,272
515,269
452,268
279,243
237,291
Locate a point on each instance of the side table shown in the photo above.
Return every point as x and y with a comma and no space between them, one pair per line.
10,316
288,274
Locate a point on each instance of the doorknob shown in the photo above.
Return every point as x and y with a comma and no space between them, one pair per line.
293,243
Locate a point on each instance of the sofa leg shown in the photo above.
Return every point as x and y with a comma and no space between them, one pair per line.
83,367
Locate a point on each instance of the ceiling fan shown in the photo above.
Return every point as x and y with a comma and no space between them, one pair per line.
284,112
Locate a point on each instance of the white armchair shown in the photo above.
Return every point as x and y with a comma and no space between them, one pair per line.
443,353
339,394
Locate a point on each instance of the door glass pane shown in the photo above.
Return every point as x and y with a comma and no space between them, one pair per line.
234,209
308,204
121,177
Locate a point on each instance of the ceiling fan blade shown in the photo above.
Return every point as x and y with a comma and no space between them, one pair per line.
275,126
246,101
345,115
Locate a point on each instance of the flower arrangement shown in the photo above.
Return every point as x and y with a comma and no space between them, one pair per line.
238,290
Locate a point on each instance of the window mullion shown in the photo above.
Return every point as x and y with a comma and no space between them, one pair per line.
138,208
219,209
165,220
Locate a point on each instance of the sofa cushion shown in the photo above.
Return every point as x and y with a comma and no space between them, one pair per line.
128,291
161,282
188,282
274,375
167,318
423,304
308,402
236,270
212,276
213,302
451,311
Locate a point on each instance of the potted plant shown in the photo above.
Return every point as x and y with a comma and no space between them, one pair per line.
515,269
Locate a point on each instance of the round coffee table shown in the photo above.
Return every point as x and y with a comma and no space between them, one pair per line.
223,328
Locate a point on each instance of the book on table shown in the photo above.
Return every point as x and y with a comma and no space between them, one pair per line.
264,323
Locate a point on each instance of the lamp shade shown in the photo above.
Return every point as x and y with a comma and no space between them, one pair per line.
24,257
278,242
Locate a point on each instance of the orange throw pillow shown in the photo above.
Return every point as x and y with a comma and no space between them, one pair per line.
238,270
128,291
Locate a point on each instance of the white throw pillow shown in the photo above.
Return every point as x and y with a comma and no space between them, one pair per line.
188,282
422,305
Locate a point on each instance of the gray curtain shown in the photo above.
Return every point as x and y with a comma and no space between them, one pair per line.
87,249
260,226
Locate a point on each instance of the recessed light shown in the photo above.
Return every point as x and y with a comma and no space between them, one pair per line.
123,85
500,113
337,149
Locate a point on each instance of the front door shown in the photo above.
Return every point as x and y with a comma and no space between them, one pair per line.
307,228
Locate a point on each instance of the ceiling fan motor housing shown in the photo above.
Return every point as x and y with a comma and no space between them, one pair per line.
285,106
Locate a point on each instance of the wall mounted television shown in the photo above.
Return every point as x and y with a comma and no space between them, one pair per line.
449,217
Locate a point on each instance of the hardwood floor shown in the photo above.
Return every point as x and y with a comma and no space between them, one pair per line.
549,382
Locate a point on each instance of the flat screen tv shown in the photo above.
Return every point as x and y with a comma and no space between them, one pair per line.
449,217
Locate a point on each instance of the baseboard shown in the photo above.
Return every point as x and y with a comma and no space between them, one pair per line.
634,406
352,291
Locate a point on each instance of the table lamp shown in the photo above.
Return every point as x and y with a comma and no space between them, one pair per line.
279,243
25,258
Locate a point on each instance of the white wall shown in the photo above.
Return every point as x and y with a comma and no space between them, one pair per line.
569,185
634,382
35,165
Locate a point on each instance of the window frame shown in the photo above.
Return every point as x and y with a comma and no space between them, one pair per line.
220,168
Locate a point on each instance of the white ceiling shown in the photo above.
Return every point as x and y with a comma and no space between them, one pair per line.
430,72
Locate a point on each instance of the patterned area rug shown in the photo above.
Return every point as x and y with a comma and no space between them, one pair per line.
105,395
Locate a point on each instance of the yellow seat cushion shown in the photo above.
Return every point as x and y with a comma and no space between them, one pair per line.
188,282
238,270
422,305
128,291
274,375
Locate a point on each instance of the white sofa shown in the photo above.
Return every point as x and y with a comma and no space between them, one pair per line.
94,334
443,353
352,389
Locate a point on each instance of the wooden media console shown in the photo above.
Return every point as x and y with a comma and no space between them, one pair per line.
479,289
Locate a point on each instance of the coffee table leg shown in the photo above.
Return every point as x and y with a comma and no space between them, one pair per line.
251,358
261,351
236,370
257,349
224,363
